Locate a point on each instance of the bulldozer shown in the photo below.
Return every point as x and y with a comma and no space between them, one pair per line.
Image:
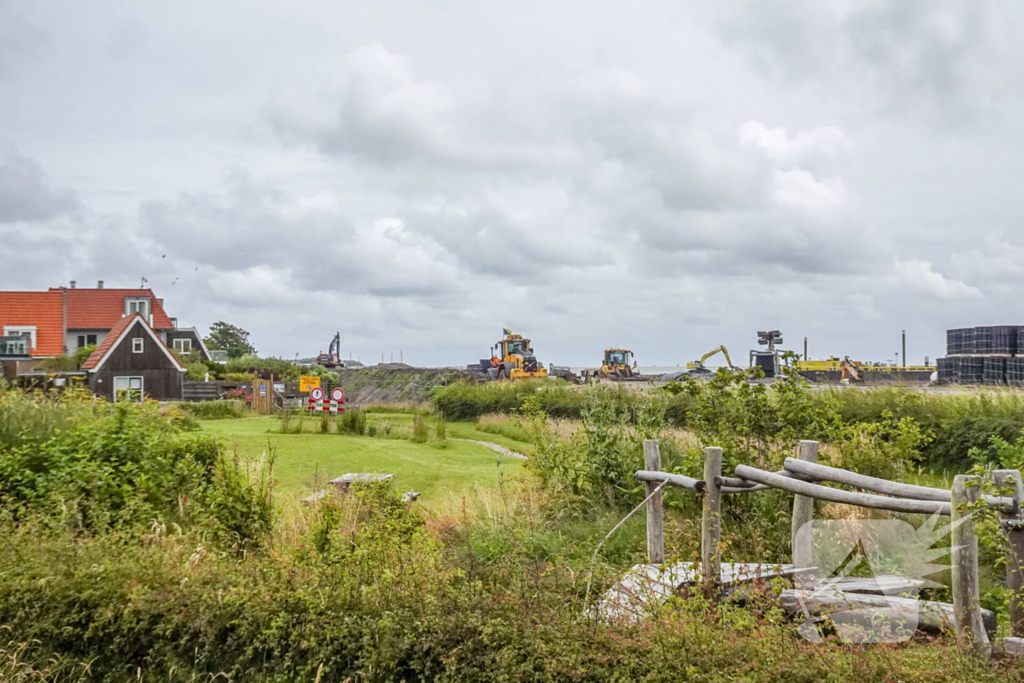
698,365
512,358
616,365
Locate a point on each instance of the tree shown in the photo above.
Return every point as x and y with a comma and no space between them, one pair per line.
226,337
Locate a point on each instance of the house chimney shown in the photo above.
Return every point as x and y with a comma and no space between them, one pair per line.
72,284
99,284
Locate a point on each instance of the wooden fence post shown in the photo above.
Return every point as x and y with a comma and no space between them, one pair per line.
1015,553
803,512
711,520
655,511
966,591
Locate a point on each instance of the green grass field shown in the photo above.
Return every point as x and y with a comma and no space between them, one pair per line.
305,461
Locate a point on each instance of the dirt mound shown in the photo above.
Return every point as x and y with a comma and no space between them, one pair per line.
396,383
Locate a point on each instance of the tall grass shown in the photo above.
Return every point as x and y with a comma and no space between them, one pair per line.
216,410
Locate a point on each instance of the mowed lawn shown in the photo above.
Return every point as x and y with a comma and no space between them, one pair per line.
304,462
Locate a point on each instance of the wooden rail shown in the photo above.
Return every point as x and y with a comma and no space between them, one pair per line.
816,472
799,477
868,500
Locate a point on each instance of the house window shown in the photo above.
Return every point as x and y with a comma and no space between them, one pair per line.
137,345
86,340
15,345
127,389
28,331
140,306
183,345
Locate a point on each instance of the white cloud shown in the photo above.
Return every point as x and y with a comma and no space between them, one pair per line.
919,276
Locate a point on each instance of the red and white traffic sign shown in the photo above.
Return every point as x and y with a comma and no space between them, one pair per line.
334,404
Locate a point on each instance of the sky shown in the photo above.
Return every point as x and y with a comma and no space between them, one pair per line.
660,176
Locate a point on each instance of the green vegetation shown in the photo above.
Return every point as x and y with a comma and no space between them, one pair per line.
227,337
135,548
306,459
216,410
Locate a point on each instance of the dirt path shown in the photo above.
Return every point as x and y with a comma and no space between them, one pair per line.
497,448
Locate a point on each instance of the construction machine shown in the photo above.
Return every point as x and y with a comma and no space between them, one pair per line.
617,364
331,359
768,360
851,371
698,365
512,358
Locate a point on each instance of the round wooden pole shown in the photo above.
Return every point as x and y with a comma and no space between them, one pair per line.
803,513
655,511
966,590
1015,553
711,520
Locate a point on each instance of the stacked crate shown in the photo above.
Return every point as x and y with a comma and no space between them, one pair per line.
983,355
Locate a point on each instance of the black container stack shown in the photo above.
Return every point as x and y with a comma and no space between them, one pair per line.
983,355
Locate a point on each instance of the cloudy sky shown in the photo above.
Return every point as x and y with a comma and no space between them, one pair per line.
666,176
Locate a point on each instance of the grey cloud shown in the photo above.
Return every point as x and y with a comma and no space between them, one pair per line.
19,40
26,194
948,56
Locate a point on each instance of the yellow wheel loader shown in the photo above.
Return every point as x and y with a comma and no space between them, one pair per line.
617,364
512,358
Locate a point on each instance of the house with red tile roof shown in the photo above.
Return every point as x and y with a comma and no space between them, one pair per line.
37,317
92,313
37,325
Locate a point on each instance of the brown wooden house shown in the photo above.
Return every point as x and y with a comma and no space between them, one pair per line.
133,362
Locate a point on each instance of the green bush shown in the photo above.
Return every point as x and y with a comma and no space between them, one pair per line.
265,367
367,593
91,464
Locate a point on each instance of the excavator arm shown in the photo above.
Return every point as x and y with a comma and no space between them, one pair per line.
720,349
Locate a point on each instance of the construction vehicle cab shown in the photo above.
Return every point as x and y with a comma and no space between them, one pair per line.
617,364
513,358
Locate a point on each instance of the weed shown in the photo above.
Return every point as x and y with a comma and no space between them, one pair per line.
420,431
353,421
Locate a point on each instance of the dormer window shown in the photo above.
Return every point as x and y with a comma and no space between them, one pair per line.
138,305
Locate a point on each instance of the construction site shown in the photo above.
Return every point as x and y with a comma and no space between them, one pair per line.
979,355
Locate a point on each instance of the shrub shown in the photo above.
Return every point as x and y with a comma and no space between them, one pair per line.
441,429
91,464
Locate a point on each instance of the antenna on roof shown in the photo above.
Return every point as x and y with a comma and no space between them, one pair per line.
143,285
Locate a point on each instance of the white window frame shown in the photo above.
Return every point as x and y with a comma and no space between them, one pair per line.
138,345
145,310
126,386
13,330
182,345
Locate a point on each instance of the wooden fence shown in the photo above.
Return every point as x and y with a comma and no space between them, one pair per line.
801,476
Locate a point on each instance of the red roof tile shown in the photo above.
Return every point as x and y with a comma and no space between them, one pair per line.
43,310
108,342
101,309
114,335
